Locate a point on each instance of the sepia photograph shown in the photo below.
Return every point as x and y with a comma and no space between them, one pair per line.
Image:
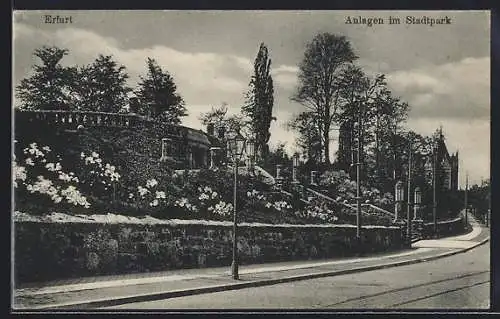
189,160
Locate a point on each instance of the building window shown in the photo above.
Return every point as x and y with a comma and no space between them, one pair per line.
166,148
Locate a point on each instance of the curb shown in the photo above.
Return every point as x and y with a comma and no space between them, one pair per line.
226,287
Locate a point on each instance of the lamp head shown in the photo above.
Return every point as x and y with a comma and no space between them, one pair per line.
236,145
296,160
418,195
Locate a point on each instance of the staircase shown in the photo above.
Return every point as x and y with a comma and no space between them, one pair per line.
308,194
417,228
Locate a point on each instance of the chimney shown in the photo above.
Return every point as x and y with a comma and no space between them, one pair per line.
221,132
210,129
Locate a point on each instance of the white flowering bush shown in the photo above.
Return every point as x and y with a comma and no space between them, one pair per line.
185,205
211,201
19,174
149,195
43,182
267,202
99,178
318,211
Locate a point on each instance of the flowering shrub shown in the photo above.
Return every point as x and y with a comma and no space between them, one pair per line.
170,195
43,177
267,203
211,200
223,209
98,177
319,211
207,203
150,195
19,173
343,189
186,205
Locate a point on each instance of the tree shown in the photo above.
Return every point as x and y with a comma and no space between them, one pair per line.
308,140
218,117
158,95
479,198
101,86
324,57
260,100
49,86
357,94
278,156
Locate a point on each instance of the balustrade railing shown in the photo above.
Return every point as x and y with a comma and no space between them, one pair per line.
72,119
75,118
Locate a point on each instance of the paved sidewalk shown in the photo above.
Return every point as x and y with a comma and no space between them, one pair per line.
106,291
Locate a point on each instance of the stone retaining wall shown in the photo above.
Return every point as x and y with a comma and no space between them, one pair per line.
445,228
49,251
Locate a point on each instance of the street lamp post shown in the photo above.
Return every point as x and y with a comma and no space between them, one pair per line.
488,213
398,196
417,199
236,146
358,128
295,167
434,195
465,196
358,181
408,208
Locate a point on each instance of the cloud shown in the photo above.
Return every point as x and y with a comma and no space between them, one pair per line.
201,77
454,90
285,76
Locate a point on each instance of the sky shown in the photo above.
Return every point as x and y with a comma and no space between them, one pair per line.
442,71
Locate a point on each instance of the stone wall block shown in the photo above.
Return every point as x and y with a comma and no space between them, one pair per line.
55,251
92,261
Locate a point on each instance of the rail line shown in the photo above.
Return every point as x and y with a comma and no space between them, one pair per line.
413,287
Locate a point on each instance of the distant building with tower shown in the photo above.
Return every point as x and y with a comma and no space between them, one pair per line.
447,168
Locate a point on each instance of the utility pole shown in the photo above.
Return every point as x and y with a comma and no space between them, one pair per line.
408,212
488,214
358,179
434,198
234,264
465,197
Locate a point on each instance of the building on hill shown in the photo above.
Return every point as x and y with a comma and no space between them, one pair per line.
448,201
181,146
447,168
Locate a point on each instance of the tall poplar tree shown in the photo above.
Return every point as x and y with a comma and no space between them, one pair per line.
259,102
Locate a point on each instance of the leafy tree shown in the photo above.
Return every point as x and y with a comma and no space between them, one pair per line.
278,155
260,100
357,94
49,86
101,86
479,198
158,95
218,117
369,101
308,140
325,56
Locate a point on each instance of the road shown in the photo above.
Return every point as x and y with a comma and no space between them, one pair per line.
461,281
